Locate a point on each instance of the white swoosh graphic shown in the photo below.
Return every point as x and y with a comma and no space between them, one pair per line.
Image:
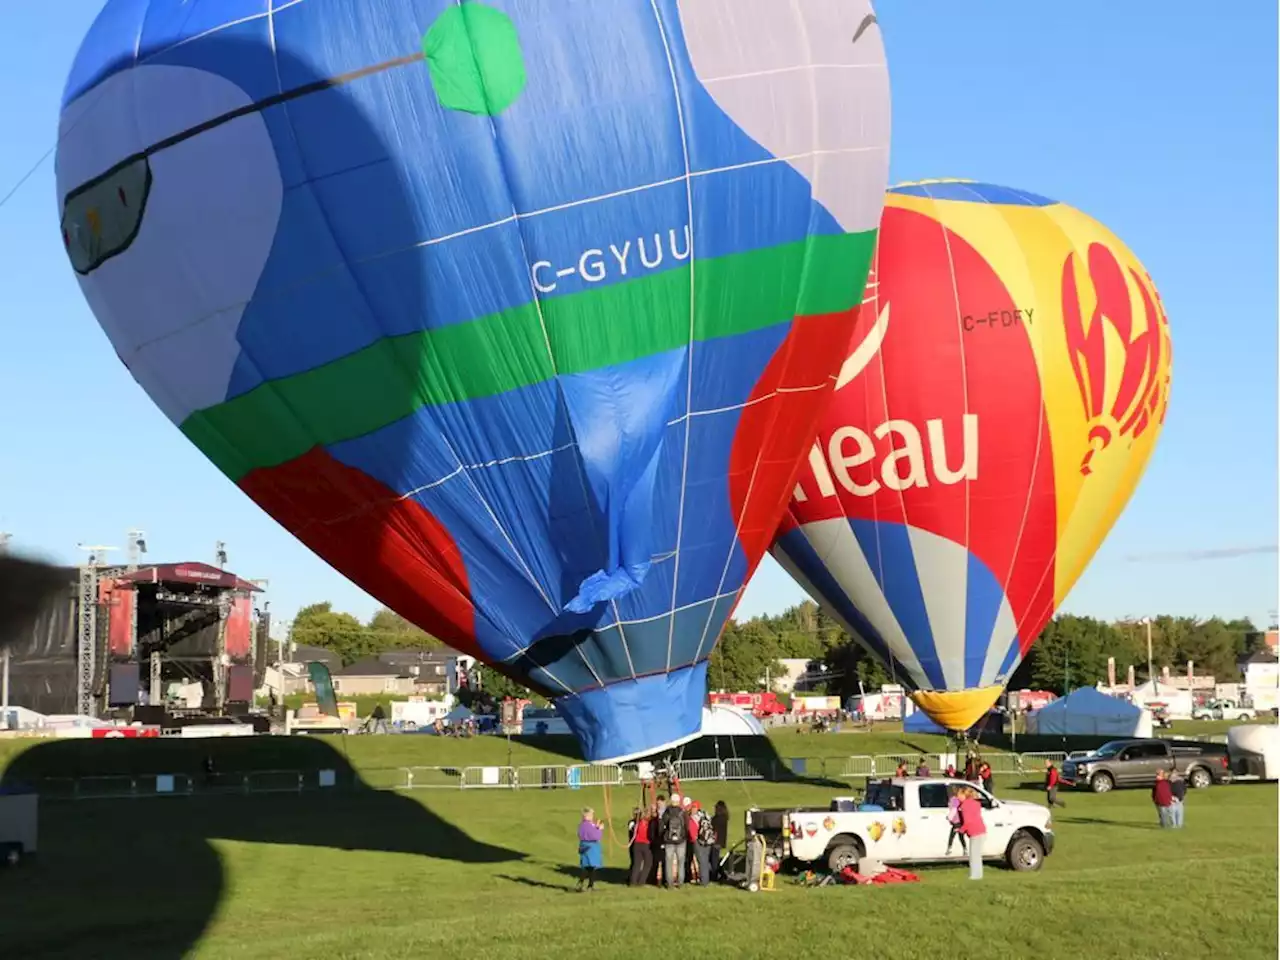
866,351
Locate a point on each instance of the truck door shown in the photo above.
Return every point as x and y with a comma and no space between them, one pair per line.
928,829
1140,762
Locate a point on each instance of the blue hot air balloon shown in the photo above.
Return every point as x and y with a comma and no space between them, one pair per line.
520,314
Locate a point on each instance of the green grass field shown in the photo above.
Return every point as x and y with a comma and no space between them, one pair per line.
447,873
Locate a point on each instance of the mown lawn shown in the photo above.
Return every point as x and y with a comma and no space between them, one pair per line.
445,873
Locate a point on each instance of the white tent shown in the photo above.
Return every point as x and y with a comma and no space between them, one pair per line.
719,720
1086,712
1177,702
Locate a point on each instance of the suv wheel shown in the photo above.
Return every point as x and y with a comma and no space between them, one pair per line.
1199,778
1102,783
1025,853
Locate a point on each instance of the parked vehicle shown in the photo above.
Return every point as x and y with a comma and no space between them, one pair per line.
1134,763
1223,710
1254,750
759,704
910,826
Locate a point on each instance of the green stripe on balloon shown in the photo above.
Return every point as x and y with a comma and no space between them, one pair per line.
390,379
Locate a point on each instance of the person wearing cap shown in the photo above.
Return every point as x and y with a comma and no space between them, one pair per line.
675,840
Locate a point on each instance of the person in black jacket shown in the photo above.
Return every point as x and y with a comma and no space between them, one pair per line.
1178,785
720,824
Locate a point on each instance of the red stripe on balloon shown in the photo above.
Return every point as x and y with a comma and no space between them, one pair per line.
393,548
779,424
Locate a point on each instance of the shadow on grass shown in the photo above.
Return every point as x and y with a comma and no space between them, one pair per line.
1100,822
609,876
140,877
540,884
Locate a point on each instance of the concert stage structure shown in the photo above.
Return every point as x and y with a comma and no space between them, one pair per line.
118,638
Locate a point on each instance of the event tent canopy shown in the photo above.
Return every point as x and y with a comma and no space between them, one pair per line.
1086,712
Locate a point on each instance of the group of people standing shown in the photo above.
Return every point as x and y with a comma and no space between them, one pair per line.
660,840
976,770
676,842
1170,797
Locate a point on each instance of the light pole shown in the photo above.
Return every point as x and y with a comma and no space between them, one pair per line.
1151,670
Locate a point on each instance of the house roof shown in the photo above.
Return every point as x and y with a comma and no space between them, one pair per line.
415,656
370,667
305,654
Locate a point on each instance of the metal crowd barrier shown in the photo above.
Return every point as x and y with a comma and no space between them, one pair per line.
550,777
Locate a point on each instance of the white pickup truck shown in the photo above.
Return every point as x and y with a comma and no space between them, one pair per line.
1223,710
910,826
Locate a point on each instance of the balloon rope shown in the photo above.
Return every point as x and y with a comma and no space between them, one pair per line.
608,818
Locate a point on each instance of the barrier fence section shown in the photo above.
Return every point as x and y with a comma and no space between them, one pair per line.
552,777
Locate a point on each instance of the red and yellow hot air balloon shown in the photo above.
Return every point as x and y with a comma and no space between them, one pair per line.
998,406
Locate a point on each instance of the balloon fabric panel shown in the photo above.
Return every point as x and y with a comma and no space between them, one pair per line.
517,314
993,417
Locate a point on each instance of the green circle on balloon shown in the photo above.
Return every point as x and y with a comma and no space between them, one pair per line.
474,56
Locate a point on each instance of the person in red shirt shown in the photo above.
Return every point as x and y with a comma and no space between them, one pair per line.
1162,797
694,809
641,848
1051,781
973,827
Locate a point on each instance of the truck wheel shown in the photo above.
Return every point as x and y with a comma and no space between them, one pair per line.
1025,853
1199,778
846,853
1102,783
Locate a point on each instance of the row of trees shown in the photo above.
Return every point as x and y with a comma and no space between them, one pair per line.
1071,652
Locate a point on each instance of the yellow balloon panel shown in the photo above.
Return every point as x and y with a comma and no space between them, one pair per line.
1101,341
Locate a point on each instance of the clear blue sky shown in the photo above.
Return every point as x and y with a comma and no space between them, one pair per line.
1158,118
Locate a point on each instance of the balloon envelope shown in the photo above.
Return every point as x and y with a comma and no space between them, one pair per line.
991,421
518,314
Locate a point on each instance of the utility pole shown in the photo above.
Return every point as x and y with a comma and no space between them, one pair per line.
220,554
1151,670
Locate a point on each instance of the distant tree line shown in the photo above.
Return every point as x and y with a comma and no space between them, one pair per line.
1071,652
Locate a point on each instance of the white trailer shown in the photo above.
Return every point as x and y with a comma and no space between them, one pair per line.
1254,751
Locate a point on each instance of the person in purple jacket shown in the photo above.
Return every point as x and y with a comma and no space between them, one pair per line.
590,830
